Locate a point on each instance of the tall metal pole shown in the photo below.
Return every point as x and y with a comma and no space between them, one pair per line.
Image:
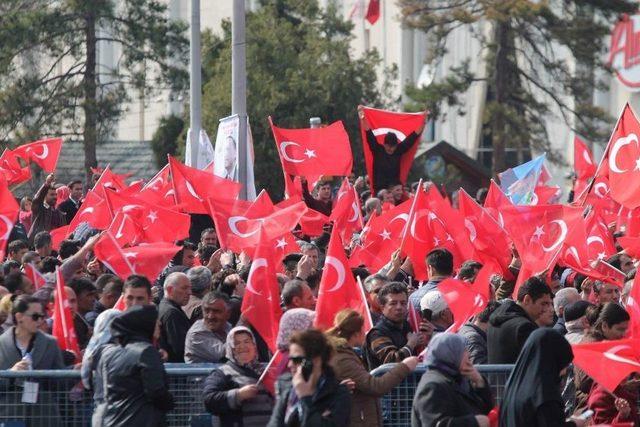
195,89
239,87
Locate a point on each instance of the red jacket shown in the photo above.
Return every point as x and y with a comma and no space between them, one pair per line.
603,404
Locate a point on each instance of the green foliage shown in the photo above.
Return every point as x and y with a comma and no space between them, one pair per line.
165,139
524,48
299,66
51,79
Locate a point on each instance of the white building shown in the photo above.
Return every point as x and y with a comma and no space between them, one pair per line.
406,48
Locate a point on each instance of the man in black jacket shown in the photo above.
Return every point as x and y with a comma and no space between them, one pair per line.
72,204
174,323
512,323
387,157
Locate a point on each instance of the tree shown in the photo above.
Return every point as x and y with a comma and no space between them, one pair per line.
528,73
51,78
165,139
299,66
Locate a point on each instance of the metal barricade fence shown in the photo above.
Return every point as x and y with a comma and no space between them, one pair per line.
62,402
396,405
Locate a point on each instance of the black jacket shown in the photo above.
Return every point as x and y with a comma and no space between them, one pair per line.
69,208
330,406
476,343
439,402
386,167
509,328
137,391
174,325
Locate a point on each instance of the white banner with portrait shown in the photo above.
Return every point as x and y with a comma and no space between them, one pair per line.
225,161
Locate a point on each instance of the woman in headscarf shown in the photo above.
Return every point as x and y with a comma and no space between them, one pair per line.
346,334
137,391
452,392
532,394
231,391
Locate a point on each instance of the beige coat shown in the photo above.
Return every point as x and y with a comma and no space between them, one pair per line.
365,403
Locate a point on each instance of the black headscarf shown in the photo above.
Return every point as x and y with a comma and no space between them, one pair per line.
136,324
535,379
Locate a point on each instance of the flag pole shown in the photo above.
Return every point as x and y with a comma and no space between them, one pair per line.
239,88
195,86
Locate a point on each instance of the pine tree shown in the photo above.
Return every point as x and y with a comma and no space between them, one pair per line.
525,53
51,80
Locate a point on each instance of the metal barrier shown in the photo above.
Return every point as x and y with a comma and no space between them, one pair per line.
62,402
396,405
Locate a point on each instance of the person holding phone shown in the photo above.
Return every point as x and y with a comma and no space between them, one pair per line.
311,394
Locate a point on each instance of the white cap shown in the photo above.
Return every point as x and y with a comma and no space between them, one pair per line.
434,301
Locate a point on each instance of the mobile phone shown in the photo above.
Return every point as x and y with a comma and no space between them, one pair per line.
307,368
426,314
585,415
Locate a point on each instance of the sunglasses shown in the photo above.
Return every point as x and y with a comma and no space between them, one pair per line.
297,360
36,316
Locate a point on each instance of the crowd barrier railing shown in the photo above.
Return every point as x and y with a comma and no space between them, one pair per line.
62,402
396,405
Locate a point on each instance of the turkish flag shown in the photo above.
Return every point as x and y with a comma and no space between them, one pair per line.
346,213
600,241
583,163
539,232
63,328
261,300
623,159
120,305
382,122
108,252
12,170
373,11
314,151
417,234
381,237
463,301
159,189
94,210
44,153
108,179
125,230
488,238
9,210
494,201
544,194
155,224
608,362
338,288
192,186
34,275
150,259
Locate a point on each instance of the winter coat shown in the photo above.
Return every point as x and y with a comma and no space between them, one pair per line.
476,343
220,396
365,400
509,328
330,405
438,402
174,325
602,402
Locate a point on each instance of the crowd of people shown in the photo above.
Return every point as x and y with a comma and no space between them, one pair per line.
127,327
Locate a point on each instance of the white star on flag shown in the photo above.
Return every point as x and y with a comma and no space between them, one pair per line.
310,153
539,232
385,235
153,216
281,243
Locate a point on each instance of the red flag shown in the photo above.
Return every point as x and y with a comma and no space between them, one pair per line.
417,235
192,186
9,210
94,210
538,232
44,153
150,259
338,288
414,318
108,179
487,236
346,213
12,170
159,189
125,230
108,252
583,163
277,365
608,362
120,305
313,151
63,328
463,301
382,122
155,224
373,11
494,201
599,239
623,160
261,301
34,275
